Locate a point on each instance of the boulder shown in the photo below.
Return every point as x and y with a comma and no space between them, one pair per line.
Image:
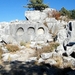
50,61
62,35
70,50
9,39
60,50
41,60
31,59
46,55
69,62
35,15
9,57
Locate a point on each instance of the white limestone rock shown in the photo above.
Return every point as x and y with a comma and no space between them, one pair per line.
9,39
50,61
35,15
69,60
9,57
70,50
49,10
60,50
46,55
41,60
62,35
31,59
51,20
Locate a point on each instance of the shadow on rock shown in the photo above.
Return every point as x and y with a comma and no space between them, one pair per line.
22,68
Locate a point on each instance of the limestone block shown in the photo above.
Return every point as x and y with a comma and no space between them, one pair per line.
61,36
41,60
9,57
69,61
43,15
9,39
70,50
46,55
31,59
33,15
51,20
50,61
60,50
49,10
73,63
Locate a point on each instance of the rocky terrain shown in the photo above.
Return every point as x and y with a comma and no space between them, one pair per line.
36,46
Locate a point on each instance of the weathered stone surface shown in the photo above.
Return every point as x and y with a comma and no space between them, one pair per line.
9,57
60,50
50,61
62,35
49,11
31,59
37,17
41,60
23,31
46,55
70,28
70,50
69,62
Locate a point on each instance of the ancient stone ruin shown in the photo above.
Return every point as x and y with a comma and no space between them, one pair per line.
39,29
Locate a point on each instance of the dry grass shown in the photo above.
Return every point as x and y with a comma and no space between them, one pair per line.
46,49
54,33
45,23
50,47
28,45
67,64
59,61
12,48
1,52
22,43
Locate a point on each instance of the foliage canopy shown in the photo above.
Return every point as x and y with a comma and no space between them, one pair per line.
36,5
69,13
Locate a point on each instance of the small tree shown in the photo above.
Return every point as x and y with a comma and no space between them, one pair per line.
36,5
73,14
65,12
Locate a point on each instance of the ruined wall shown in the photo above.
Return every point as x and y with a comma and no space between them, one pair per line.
36,28
28,32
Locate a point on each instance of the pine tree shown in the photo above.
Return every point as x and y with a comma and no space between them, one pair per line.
36,5
73,14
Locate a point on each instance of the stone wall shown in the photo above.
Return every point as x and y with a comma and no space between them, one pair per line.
29,31
36,28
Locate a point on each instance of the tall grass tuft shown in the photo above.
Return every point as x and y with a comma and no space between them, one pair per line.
12,48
